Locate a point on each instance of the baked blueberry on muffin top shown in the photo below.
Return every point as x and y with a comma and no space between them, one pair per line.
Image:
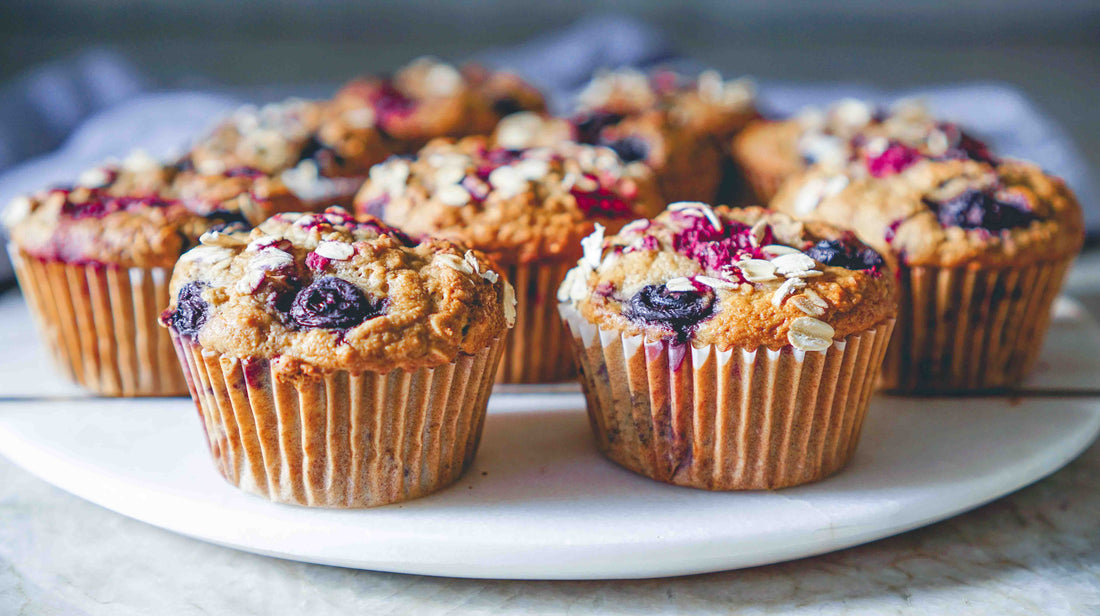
939,211
741,278
330,292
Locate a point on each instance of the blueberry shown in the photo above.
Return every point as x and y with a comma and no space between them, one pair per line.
978,209
227,221
679,311
590,125
839,253
191,310
332,303
320,153
630,148
506,105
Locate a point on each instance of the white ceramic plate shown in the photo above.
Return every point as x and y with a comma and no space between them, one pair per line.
539,501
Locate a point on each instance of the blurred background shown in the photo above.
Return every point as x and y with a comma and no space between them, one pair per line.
1050,50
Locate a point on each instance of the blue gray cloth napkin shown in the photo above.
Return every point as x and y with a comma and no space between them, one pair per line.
63,117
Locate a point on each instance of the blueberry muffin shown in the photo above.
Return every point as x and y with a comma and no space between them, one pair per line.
728,349
428,99
769,152
93,260
981,249
528,209
675,125
336,362
318,150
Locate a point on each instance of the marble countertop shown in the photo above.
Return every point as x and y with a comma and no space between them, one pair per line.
1036,551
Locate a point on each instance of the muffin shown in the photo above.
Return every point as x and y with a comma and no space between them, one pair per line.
981,251
316,149
770,151
335,362
428,99
94,260
707,105
719,351
527,209
675,126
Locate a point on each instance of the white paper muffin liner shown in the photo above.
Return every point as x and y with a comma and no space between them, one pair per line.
537,348
970,329
726,420
101,324
339,439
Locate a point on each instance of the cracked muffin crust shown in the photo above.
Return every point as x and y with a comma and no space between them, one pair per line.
945,213
427,99
520,206
733,278
770,151
121,215
675,125
328,292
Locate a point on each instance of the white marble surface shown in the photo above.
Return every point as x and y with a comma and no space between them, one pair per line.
1034,552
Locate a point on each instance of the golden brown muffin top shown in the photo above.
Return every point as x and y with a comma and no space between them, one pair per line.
428,98
834,136
733,278
327,292
947,213
705,105
142,213
121,215
517,205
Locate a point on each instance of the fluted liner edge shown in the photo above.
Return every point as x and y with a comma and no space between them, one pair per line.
726,420
339,439
100,324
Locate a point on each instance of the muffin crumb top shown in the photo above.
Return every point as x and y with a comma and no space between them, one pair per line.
329,292
518,205
734,278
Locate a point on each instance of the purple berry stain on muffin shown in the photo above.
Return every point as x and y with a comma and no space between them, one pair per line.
191,310
316,262
99,205
332,303
965,147
845,253
588,126
601,202
243,172
981,209
895,158
679,311
390,104
630,148
718,249
322,154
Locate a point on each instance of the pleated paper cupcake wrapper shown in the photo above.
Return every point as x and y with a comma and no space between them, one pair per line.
100,324
537,348
726,420
339,439
970,330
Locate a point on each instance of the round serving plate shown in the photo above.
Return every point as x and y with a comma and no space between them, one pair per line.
540,502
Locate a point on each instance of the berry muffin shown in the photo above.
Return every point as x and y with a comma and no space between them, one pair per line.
335,362
318,150
93,261
527,209
769,152
676,126
981,252
728,349
428,99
